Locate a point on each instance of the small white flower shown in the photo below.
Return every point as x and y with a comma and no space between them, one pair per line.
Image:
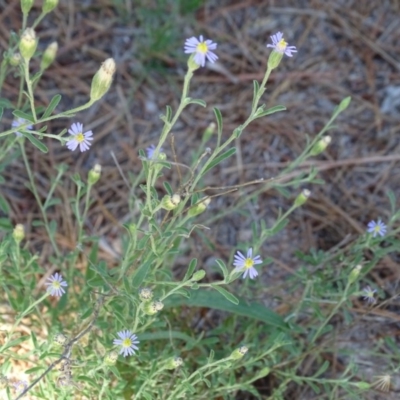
247,263
20,386
55,285
79,138
18,122
281,46
128,342
202,49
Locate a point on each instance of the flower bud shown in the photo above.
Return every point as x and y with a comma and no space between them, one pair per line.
15,59
210,130
26,6
101,81
49,5
3,381
192,65
60,339
320,146
49,56
19,233
302,198
153,307
170,203
239,353
199,207
174,362
354,274
199,275
145,294
28,44
274,59
362,385
94,174
111,358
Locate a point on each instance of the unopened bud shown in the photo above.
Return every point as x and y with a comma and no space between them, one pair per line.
354,274
26,6
3,381
362,385
94,174
19,233
111,358
170,203
192,65
145,294
60,339
302,197
153,307
15,59
174,362
49,5
320,146
199,275
49,56
199,207
210,130
28,44
239,353
274,59
101,81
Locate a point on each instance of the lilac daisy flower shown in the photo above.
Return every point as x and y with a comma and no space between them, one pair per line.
281,46
202,49
18,122
377,228
368,295
55,285
242,262
78,138
128,342
20,386
150,151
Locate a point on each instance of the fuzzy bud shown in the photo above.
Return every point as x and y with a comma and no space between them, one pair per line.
354,274
28,44
94,174
239,353
302,198
274,59
49,5
362,385
170,203
49,56
60,339
15,59
320,146
111,358
19,233
26,6
199,207
153,307
198,275
210,130
174,362
145,294
101,81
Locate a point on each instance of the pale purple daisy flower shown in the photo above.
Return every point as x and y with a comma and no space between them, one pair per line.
55,285
128,342
150,151
281,46
18,122
79,138
377,228
242,262
20,386
202,49
368,295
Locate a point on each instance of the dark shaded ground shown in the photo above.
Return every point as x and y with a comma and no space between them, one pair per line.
345,48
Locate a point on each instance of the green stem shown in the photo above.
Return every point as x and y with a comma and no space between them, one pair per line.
30,91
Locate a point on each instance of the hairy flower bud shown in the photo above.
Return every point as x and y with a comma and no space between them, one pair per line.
320,146
94,174
15,59
111,358
210,130
153,307
174,362
302,198
170,203
145,294
49,5
60,339
19,233
26,6
199,207
28,44
199,275
354,274
101,81
239,353
49,56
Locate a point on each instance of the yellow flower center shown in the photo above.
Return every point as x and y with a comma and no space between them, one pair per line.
248,263
56,285
202,48
377,229
79,137
282,44
127,342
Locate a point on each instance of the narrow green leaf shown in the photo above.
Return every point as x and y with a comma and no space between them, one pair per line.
5,103
220,158
256,88
226,294
168,188
21,114
214,300
271,110
4,206
222,265
200,102
140,274
16,342
218,116
37,143
1,112
53,104
189,272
